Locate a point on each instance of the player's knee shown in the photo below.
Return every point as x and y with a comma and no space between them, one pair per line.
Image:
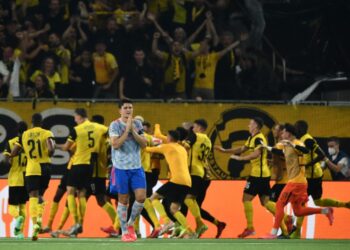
174,207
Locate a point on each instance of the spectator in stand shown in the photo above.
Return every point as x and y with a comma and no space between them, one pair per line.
56,16
137,80
106,70
114,36
41,88
175,69
179,33
64,61
74,37
337,161
225,77
49,70
82,75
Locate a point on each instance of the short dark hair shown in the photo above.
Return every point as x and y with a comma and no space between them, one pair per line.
37,119
98,118
334,139
123,101
81,111
280,126
201,122
21,127
290,128
302,127
183,133
147,124
258,121
174,135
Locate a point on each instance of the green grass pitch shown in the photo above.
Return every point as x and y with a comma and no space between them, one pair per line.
171,244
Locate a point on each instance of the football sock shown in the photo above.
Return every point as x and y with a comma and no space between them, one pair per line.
64,217
110,211
329,203
14,211
82,209
33,209
53,212
41,207
182,220
122,211
271,207
151,213
72,206
23,213
160,208
194,208
137,224
248,211
135,212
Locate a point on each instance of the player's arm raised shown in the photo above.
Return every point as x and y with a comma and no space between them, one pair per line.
237,150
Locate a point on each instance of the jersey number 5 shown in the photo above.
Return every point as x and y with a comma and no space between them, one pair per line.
91,139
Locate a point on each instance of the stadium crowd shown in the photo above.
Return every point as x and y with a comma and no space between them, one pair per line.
138,49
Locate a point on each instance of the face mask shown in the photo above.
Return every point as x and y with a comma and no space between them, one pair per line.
331,151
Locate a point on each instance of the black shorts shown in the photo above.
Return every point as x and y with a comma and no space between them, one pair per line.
197,185
79,176
276,191
258,186
97,186
63,183
18,195
151,181
201,196
174,192
314,188
111,195
39,182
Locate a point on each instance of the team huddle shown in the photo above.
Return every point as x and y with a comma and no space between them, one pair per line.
134,154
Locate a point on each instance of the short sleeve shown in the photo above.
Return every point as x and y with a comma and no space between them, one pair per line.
258,142
73,135
246,144
139,127
310,144
114,130
112,61
19,142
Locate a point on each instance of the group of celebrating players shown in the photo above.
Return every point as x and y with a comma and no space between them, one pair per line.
134,155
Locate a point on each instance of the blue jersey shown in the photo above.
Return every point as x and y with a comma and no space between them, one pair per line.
128,156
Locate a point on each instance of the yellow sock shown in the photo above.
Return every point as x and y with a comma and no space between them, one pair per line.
182,220
53,212
248,211
151,213
216,222
64,217
110,211
33,209
192,205
160,208
41,207
72,206
116,224
23,212
329,203
14,210
271,207
137,224
82,209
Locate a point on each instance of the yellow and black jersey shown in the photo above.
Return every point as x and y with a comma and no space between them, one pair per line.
314,171
101,168
18,165
34,144
259,166
87,136
200,148
146,156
